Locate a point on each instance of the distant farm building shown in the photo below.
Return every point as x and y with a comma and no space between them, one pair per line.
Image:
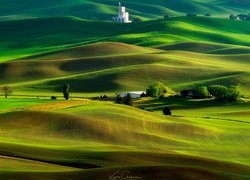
123,16
134,95
188,93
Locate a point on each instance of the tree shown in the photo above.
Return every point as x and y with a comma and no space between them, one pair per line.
128,100
166,111
191,15
6,90
225,94
158,89
232,16
208,14
66,91
53,97
119,99
202,92
166,17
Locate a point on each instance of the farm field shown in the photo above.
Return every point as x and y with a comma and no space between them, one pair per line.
86,137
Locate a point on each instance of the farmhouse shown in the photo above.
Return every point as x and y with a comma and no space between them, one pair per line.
123,16
134,94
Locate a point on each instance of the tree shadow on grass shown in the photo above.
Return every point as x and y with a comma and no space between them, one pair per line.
178,103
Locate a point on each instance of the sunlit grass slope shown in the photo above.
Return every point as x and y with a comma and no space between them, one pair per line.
108,137
37,36
116,67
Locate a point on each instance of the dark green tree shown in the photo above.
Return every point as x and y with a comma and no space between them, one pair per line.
6,90
128,100
118,99
166,111
158,89
166,17
232,16
225,94
66,91
202,92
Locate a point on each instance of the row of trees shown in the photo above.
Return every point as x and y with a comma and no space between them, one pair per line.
127,100
219,92
167,16
245,17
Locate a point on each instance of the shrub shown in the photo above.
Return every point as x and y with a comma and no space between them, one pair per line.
158,89
184,93
66,89
53,97
104,97
208,14
166,111
6,90
119,99
202,92
232,16
191,15
166,17
128,100
225,94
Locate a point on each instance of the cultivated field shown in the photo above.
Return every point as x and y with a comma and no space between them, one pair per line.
83,138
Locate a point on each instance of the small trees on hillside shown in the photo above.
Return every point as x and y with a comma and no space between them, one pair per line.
66,91
202,92
225,94
191,15
208,15
158,89
166,17
232,16
127,100
6,90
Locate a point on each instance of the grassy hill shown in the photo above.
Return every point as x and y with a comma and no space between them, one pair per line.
37,36
88,139
117,67
71,137
106,9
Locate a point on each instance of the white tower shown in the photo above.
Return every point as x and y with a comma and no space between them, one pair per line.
123,16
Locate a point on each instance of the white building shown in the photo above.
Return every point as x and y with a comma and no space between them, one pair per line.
134,94
123,16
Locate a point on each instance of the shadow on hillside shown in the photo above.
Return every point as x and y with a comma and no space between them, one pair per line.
178,103
89,84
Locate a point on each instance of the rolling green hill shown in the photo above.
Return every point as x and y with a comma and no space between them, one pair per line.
37,36
106,9
115,67
95,139
82,138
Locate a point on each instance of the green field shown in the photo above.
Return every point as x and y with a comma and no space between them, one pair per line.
105,9
63,138
183,52
88,139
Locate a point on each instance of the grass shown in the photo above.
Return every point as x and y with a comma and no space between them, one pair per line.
94,139
105,10
119,72
51,34
83,134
